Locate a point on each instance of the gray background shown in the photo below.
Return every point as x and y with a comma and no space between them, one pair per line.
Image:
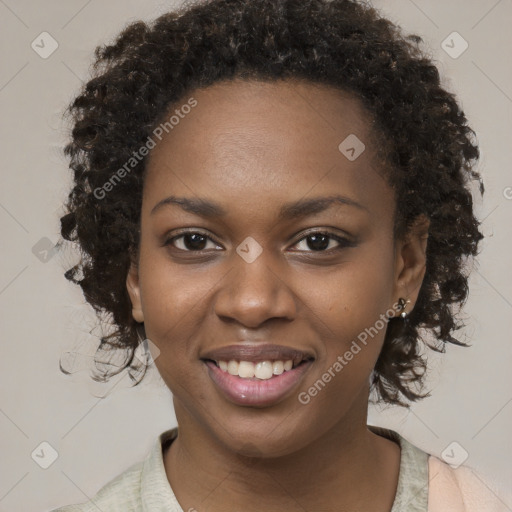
43,316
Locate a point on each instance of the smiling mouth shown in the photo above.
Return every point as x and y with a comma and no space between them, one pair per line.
258,370
257,374
251,391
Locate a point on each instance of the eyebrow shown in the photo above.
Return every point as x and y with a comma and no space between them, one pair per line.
302,208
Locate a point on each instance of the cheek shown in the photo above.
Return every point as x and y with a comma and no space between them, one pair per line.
353,295
171,300
170,293
350,310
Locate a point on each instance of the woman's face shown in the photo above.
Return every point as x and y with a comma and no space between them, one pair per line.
296,250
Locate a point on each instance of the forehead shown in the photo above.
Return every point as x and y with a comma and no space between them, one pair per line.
248,141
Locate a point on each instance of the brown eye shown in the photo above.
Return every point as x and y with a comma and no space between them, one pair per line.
321,241
191,241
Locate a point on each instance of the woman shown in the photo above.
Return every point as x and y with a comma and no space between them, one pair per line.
274,196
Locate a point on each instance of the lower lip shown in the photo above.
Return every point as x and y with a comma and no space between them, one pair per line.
257,392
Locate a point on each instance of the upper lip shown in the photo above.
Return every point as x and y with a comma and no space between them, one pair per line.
256,353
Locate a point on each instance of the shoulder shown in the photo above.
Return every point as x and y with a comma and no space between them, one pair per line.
121,493
459,490
143,486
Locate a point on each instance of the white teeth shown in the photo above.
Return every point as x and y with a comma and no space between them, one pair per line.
246,369
263,370
233,367
278,367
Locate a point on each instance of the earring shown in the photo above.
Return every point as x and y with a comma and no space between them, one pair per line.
401,306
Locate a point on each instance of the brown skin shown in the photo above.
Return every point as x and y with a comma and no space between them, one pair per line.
251,147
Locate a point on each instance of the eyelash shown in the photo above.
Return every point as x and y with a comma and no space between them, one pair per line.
344,242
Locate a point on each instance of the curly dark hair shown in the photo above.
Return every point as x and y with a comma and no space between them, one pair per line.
430,151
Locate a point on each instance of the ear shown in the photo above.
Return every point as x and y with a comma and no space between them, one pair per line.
132,285
411,261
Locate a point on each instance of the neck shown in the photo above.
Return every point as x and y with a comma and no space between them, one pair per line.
347,467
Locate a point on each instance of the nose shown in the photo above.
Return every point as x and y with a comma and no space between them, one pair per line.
254,292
